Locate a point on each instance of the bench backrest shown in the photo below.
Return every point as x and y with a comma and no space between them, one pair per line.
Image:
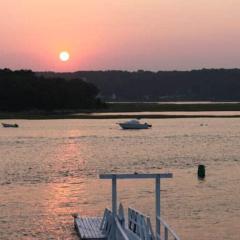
107,224
107,221
140,224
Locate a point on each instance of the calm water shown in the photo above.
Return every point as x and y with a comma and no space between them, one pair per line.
49,170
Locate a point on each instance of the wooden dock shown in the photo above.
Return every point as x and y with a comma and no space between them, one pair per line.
88,228
114,226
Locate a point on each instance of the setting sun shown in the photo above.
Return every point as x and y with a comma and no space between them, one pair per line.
64,56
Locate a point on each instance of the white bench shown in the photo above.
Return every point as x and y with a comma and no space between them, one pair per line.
94,228
139,226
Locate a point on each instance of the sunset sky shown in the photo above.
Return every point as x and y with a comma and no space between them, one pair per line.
124,34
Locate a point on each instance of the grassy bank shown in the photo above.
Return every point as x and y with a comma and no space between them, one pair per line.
111,112
172,107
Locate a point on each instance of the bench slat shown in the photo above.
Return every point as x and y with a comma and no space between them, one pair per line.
89,228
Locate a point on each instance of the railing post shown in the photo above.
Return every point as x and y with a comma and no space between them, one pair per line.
158,208
165,233
114,203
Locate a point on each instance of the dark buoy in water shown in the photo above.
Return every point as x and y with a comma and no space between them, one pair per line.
201,171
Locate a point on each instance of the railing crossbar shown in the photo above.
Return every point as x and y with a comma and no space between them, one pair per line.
136,176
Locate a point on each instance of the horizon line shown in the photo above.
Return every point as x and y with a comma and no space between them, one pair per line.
119,70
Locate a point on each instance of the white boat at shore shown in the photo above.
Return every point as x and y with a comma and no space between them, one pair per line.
10,125
134,124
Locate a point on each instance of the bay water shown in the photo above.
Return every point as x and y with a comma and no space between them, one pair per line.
49,170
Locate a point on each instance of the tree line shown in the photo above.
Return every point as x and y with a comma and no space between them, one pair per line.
195,85
24,90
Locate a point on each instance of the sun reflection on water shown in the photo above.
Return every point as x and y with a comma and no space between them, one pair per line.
49,170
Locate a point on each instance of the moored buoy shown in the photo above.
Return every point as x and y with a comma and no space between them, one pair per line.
201,171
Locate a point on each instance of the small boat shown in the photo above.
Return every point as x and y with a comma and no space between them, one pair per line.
9,125
134,124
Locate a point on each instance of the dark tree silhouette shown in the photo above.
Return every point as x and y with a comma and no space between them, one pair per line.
196,85
23,90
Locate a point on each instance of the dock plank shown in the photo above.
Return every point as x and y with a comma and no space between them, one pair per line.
88,228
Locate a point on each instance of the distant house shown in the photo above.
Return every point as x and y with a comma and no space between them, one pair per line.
114,96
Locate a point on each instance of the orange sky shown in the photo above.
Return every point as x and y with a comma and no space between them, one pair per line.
124,34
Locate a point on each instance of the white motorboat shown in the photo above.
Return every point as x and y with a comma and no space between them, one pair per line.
134,124
10,125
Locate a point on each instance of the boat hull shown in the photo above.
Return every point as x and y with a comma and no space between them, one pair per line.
134,126
7,125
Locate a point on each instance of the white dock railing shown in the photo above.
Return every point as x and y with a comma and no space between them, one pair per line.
167,233
123,233
120,233
140,224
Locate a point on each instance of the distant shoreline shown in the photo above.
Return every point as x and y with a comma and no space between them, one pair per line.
133,110
86,116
